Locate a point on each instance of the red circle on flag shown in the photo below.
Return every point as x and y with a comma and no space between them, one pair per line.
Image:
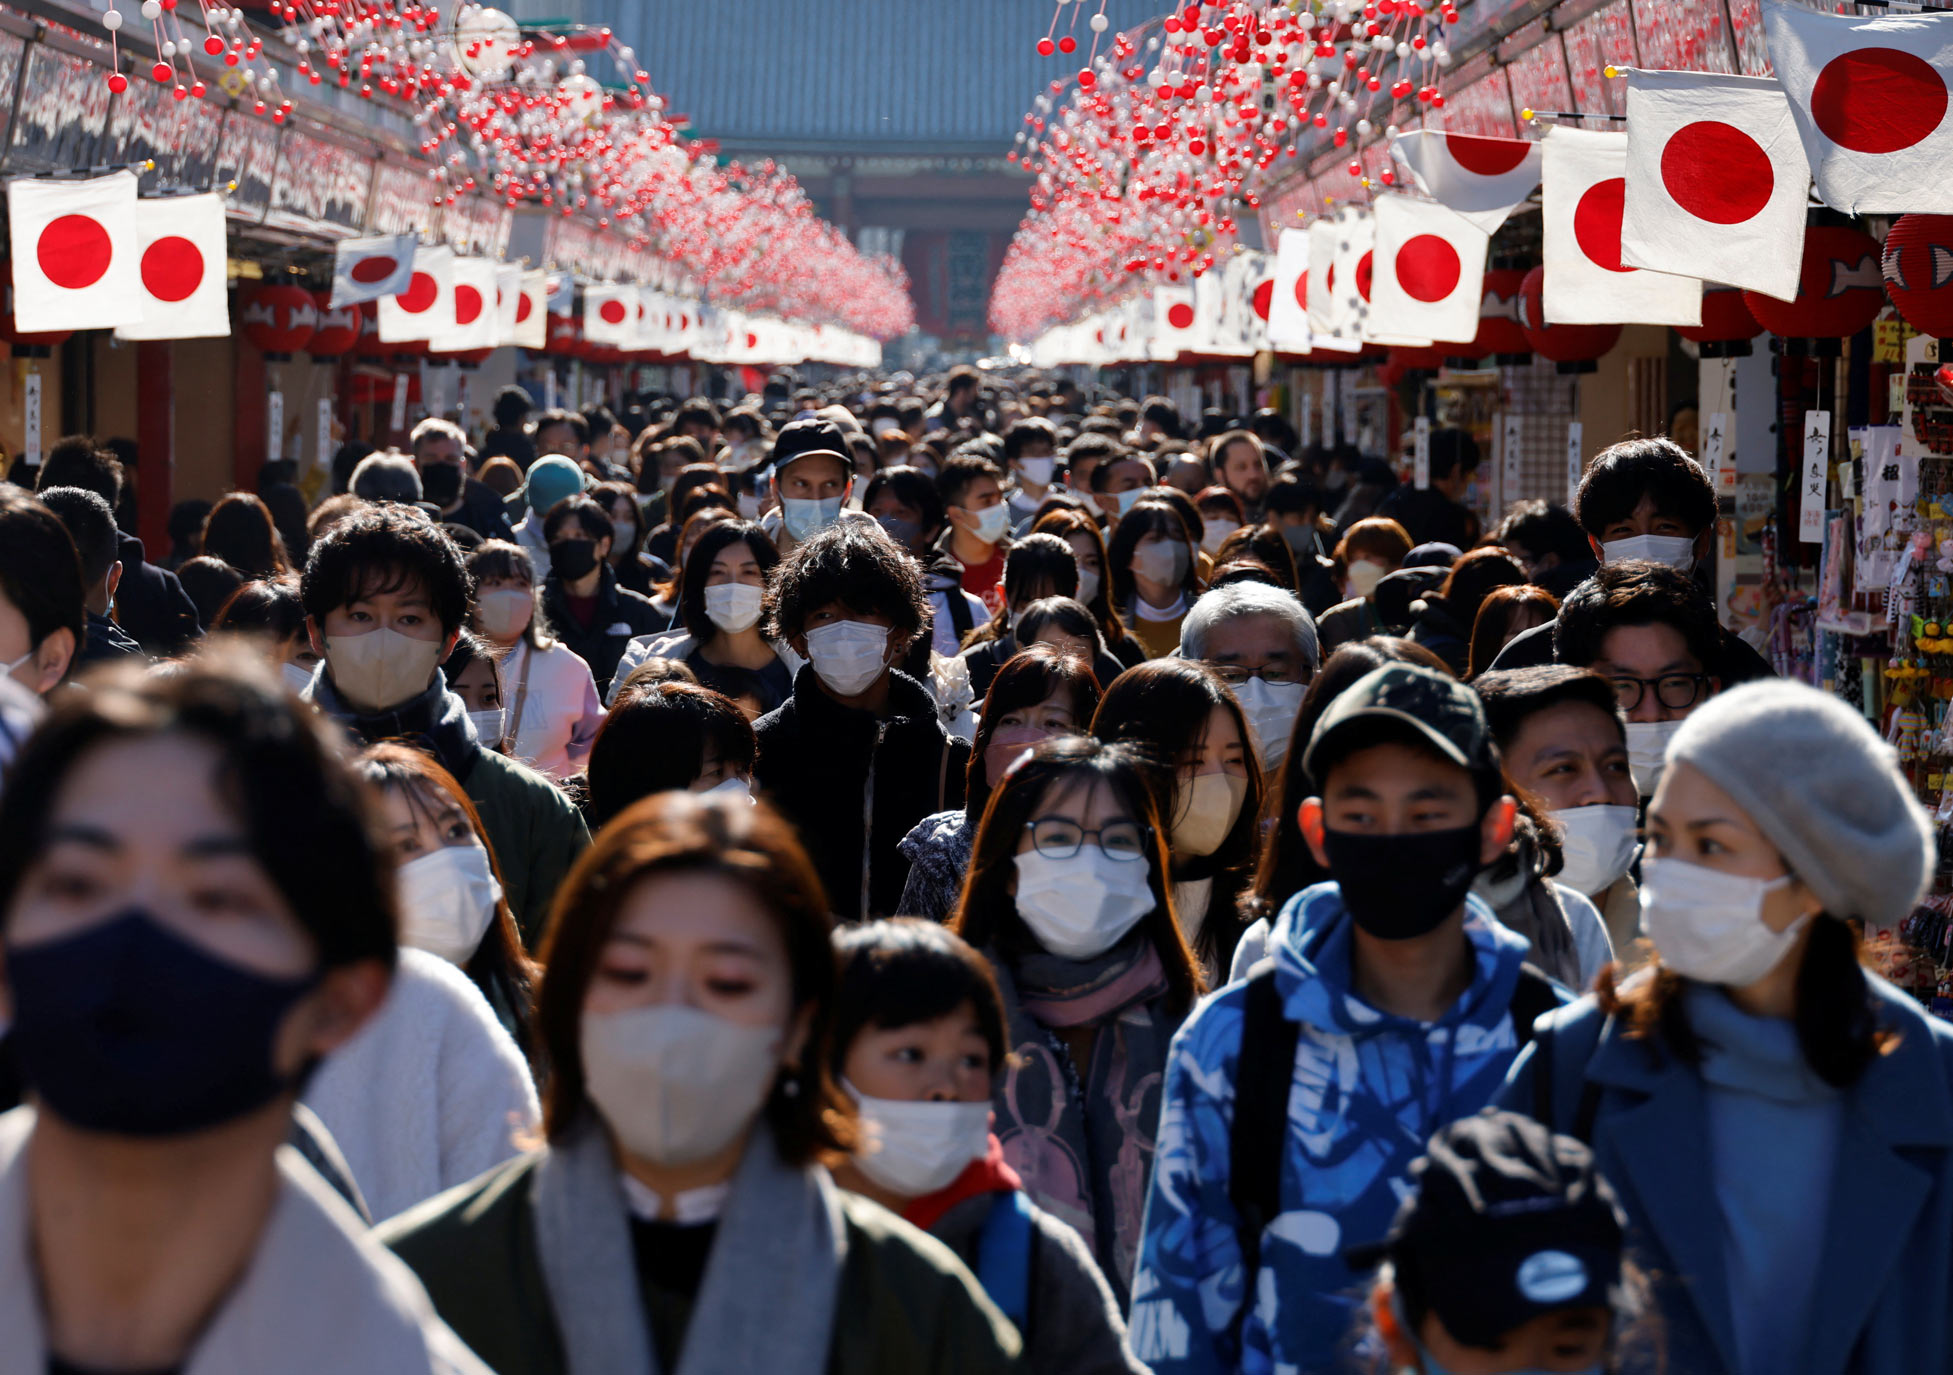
467,305
1365,267
524,308
378,268
1302,287
1597,223
1264,297
612,312
1717,172
172,268
1428,268
1180,315
419,295
752,341
74,251
1488,157
1878,100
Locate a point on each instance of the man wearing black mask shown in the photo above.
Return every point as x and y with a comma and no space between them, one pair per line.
441,455
589,611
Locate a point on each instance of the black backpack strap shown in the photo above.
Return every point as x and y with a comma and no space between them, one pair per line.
1263,1076
959,611
1533,997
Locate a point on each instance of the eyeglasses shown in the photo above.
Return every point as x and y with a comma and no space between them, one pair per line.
1055,837
1676,691
1237,675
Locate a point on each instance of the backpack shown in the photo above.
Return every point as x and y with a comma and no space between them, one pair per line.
1004,1257
1263,1077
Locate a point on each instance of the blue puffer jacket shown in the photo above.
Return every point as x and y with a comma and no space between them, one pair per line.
1369,1091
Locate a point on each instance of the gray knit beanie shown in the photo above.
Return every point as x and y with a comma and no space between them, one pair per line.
1819,783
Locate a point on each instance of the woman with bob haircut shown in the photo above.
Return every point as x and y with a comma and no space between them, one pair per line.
550,711
669,736
1154,574
195,910
1067,895
1075,526
679,1216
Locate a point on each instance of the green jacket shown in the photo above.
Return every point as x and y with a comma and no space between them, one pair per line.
906,1304
536,832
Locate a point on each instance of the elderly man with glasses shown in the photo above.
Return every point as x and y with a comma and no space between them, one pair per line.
1263,643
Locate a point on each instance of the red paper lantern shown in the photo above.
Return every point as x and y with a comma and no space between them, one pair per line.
14,336
338,329
1726,318
1918,271
1561,343
1414,359
565,336
278,318
1840,291
1498,316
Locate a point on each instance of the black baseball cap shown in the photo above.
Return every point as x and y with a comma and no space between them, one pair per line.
804,438
1509,1221
1405,699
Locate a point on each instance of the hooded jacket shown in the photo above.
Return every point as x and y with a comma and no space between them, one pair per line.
1369,1090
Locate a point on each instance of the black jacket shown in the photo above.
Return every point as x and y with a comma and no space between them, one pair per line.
482,511
1534,647
106,643
151,605
854,784
987,656
1439,629
1431,517
621,615
510,444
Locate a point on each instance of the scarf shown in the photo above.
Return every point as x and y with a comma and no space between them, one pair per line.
1526,903
767,1298
1084,1146
989,1175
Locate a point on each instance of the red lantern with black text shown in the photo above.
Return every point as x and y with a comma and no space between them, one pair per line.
1839,294
279,317
1573,347
338,329
1918,272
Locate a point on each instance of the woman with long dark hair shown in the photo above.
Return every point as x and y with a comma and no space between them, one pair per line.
1076,527
550,711
239,530
1153,572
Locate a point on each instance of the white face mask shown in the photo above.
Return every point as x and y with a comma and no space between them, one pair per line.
991,523
913,1149
1164,561
848,656
1363,577
733,606
623,536
1037,471
1598,844
381,668
1708,925
1271,709
296,678
1647,744
805,519
1088,584
504,612
750,507
447,900
1125,501
675,1084
489,727
1677,551
1209,805
1082,906
733,785
1214,533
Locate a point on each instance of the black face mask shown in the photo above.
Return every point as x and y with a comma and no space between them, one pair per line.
572,558
440,483
1399,887
128,1028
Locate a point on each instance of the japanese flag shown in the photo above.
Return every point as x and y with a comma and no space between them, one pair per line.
1482,179
1175,323
608,315
473,326
75,251
1586,281
508,300
653,320
1246,280
1322,261
367,269
1347,283
1288,294
1430,271
527,322
1870,100
182,266
427,305
1716,180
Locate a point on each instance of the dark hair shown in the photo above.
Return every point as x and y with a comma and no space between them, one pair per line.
986,913
589,514
1164,705
1026,431
239,530
696,411
281,770
386,549
1066,523
962,377
1636,592
1291,494
1492,627
288,513
698,567
962,468
1264,545
1245,569
1038,561
1091,447
40,572
1287,865
607,495
654,740
903,970
505,975
1451,449
1163,413
91,525
186,527
742,843
498,560
1027,678
1218,497
914,488
857,566
1542,528
1217,448
1067,614
1380,537
1511,696
1100,475
77,461
558,416
512,405
1622,474
345,458
1152,516
691,479
1474,577
209,583
263,606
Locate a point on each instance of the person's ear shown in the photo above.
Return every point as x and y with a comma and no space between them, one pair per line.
798,644
1495,829
1309,817
51,659
315,637
447,645
1594,544
329,1016
1706,541
114,578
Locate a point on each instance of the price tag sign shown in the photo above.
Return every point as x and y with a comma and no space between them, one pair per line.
31,419
274,425
1421,453
1509,451
398,419
1346,381
1717,461
324,449
1817,458
1576,465
1308,417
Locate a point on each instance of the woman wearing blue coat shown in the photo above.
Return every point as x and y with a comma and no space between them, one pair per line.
1777,1122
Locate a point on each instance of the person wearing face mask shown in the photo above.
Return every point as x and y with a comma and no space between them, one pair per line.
910,509
669,736
1154,575
857,755
1264,647
1774,1117
678,1217
1031,450
91,524
813,477
1039,566
1038,693
1447,615
1220,516
1371,551
386,595
546,698
440,451
581,599
630,558
1077,528
1391,1003
978,538
918,1044
1507,1260
473,673
552,478
195,914
1118,481
1295,511
1564,743
270,614
1068,898
433,1089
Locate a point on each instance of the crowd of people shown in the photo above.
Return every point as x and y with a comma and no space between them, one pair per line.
945,875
